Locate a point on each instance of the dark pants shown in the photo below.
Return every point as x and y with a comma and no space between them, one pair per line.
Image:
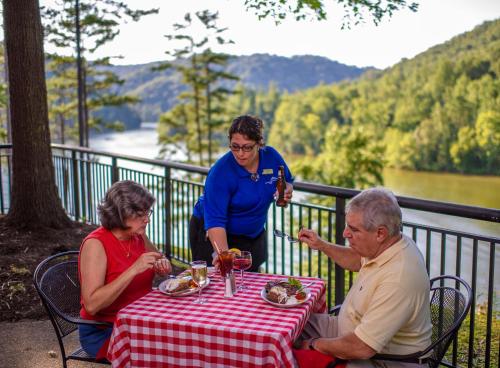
202,249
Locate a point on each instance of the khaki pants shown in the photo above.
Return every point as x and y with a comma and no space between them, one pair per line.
324,325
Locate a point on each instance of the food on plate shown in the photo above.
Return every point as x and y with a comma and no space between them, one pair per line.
301,295
177,284
277,294
280,291
291,285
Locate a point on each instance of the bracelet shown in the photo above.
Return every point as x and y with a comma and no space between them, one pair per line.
311,343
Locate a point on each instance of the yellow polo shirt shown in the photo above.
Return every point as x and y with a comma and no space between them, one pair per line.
387,307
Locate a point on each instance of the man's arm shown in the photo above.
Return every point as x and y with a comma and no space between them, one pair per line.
345,257
346,347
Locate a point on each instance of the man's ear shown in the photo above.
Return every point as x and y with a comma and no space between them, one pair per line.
382,233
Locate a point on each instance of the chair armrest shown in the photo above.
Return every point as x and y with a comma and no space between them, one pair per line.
82,321
335,310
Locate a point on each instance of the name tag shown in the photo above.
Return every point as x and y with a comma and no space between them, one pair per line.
267,172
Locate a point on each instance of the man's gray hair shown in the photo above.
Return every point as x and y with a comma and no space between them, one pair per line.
379,207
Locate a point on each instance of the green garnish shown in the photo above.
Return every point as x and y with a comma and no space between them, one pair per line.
294,282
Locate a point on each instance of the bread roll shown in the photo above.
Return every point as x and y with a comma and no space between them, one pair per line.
176,285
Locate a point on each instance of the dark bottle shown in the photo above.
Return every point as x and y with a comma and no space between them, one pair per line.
281,186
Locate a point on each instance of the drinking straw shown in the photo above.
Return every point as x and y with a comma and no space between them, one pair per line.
217,249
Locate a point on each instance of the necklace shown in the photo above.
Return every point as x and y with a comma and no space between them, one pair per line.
127,251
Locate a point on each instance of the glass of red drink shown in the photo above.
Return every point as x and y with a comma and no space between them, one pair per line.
226,259
242,262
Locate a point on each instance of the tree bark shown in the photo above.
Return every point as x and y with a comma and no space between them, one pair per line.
34,199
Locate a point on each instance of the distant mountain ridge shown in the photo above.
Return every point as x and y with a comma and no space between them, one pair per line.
158,90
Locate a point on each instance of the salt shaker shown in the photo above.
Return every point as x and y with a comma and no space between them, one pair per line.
228,289
233,282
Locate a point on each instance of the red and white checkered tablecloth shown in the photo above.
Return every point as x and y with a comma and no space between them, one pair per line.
242,331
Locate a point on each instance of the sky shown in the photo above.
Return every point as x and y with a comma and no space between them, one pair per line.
404,35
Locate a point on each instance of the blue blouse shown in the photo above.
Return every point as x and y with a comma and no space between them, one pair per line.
235,200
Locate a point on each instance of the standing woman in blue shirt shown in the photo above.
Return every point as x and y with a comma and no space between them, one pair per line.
239,189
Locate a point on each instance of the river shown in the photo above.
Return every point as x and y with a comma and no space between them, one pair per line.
482,191
471,190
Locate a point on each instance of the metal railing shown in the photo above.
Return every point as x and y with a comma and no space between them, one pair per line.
83,176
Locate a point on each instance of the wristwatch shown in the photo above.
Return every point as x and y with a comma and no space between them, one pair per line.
311,343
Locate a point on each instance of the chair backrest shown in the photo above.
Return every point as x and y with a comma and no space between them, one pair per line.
450,302
57,283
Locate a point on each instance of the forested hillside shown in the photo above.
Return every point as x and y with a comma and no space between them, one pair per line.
439,111
158,90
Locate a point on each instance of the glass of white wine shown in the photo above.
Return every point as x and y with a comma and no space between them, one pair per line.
199,274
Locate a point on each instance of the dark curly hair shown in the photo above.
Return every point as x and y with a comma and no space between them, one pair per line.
123,200
250,126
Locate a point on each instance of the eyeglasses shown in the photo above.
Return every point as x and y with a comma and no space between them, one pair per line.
245,148
144,214
281,234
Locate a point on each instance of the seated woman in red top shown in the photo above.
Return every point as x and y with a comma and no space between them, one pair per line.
117,261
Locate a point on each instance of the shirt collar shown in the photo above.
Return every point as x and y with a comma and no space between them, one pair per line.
241,171
387,254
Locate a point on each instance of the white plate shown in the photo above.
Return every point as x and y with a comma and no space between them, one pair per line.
163,285
290,303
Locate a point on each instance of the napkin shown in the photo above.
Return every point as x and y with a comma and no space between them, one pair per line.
314,359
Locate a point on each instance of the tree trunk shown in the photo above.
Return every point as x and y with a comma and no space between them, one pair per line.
34,199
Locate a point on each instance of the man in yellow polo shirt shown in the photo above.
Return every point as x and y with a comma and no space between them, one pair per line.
387,308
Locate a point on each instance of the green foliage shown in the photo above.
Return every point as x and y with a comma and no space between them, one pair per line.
99,22
254,102
479,346
261,73
351,158
301,120
436,112
200,114
479,146
355,11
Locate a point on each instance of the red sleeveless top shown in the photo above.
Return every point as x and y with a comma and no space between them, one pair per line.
117,263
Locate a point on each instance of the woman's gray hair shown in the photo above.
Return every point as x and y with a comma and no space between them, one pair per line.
379,207
123,200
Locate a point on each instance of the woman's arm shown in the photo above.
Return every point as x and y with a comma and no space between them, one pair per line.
218,235
162,265
93,260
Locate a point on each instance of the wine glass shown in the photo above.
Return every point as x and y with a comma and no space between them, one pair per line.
242,261
199,274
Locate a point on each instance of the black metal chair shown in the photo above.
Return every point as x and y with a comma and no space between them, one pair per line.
56,281
450,302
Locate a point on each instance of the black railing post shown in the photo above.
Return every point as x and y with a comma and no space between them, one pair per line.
1,187
167,210
76,199
115,174
339,239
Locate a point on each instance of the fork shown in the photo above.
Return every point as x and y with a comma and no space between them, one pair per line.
304,286
281,234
